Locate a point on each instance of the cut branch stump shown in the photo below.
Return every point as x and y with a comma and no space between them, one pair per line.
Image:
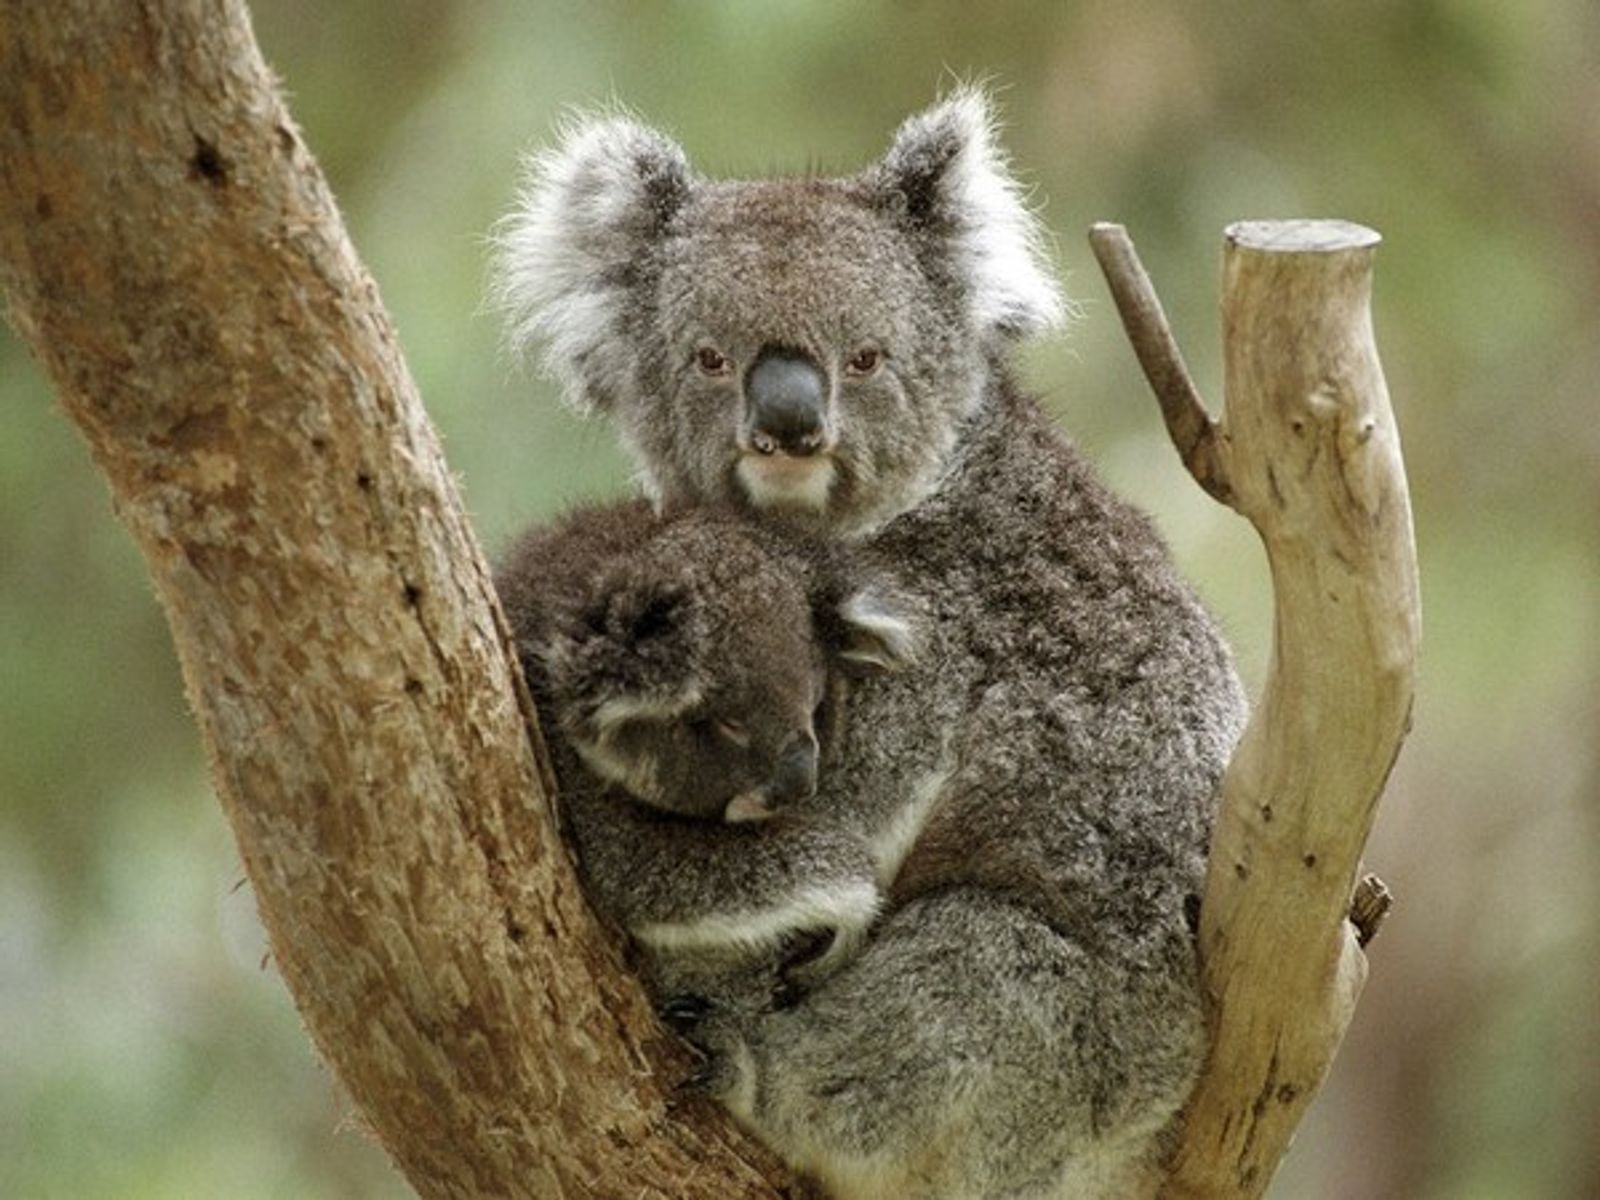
1307,449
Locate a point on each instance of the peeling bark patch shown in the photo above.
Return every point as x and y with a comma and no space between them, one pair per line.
44,208
1310,861
413,595
413,685
209,164
364,481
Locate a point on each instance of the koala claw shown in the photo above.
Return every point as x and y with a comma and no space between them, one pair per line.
710,1078
684,1011
788,992
716,1038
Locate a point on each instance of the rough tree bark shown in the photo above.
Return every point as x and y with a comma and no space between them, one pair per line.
174,258
1307,449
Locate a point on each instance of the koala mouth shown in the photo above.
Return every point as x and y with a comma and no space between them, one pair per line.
781,480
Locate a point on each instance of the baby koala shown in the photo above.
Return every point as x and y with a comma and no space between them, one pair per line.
691,670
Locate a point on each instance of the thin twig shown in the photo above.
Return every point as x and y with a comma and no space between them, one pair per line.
1191,428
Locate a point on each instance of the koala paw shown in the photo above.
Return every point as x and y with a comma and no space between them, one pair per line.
724,1070
714,1077
818,955
807,965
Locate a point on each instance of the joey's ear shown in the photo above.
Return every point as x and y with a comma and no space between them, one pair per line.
567,255
948,175
637,654
879,633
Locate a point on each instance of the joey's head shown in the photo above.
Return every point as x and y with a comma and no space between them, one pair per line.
805,347
693,675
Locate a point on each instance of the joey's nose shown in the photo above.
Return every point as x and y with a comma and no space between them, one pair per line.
796,775
786,395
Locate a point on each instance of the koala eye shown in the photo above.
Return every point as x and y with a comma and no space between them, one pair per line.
712,361
863,362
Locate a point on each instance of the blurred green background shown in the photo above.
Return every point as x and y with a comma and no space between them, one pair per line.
146,1047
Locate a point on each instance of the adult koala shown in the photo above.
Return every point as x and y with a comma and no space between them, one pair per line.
1037,788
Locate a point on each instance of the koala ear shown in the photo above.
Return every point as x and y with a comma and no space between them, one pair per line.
637,653
569,252
879,634
947,173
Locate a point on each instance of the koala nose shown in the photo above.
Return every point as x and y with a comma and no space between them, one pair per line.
796,775
786,394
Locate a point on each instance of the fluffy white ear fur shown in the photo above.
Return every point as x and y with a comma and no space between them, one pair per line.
585,211
588,209
950,161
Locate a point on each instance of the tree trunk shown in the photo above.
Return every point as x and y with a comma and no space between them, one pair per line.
172,254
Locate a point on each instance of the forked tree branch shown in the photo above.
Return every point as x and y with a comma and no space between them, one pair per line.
172,255
1306,449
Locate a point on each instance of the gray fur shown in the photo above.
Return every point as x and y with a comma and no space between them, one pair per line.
677,661
1036,790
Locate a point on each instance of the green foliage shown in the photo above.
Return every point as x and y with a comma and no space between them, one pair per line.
147,1054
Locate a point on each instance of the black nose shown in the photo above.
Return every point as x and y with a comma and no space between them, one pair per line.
787,396
796,775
